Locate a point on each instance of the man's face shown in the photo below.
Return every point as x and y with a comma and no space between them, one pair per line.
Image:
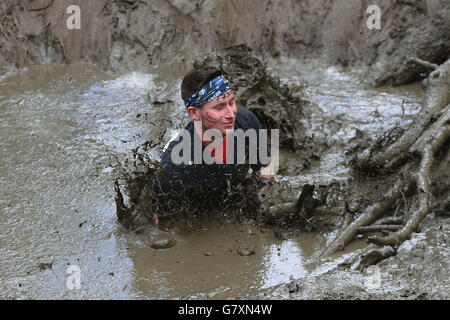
219,113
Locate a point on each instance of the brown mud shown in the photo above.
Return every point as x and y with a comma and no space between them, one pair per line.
307,76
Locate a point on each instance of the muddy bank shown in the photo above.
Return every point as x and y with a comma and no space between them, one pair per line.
392,65
132,35
418,271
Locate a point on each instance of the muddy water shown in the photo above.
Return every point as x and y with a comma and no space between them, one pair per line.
343,105
59,127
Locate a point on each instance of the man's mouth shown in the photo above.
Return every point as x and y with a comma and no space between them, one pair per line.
229,124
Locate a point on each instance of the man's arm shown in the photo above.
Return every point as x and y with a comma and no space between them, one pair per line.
155,218
268,172
165,184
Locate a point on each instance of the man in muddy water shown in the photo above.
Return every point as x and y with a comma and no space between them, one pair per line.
211,104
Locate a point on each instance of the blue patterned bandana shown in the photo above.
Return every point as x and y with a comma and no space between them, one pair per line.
215,88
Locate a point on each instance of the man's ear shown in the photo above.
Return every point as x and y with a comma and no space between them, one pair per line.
194,113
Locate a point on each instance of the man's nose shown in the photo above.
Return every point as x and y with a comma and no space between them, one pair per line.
229,112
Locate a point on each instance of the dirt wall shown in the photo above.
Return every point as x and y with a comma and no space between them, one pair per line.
135,34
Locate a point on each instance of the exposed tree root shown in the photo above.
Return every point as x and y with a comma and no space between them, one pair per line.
428,134
389,220
380,227
369,216
438,97
372,255
428,65
423,187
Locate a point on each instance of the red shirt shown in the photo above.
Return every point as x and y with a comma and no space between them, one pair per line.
223,146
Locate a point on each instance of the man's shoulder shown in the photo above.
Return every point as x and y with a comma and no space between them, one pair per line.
177,137
245,119
245,113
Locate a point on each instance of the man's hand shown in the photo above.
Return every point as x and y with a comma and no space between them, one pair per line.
268,172
155,218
